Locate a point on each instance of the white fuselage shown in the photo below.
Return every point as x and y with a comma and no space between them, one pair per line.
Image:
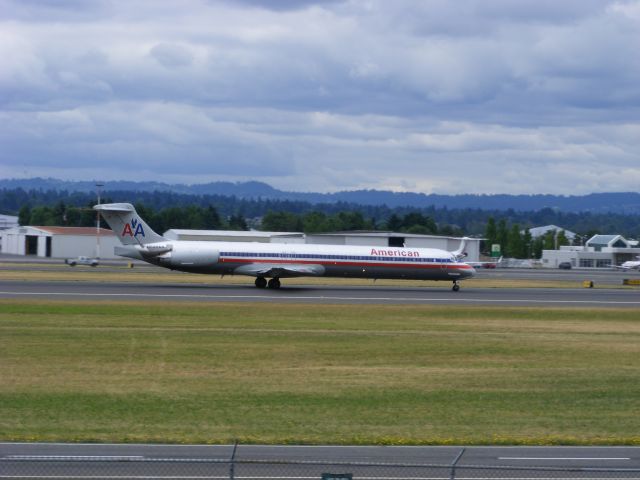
247,258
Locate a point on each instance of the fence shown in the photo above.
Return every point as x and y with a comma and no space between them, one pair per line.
133,467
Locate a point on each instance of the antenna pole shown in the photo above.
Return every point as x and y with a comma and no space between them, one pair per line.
99,185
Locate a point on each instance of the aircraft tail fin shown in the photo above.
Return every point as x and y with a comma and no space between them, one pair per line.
127,224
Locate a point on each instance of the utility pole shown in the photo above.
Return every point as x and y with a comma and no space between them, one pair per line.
99,185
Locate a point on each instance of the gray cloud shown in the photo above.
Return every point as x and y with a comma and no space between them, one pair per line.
283,5
430,95
171,55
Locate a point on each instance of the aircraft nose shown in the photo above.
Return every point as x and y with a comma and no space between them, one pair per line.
468,272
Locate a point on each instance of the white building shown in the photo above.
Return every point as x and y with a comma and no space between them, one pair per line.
600,251
537,232
373,239
58,242
8,221
234,236
395,239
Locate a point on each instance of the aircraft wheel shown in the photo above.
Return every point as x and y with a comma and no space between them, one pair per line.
261,282
456,287
274,283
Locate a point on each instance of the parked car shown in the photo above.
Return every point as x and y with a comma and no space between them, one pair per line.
564,265
72,262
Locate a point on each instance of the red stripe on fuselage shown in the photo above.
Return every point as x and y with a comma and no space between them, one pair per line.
416,265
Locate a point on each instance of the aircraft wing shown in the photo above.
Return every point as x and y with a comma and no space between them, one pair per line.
488,264
280,270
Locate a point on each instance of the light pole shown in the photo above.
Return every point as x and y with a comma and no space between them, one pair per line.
99,185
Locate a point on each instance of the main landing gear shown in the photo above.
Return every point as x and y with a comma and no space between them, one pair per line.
261,282
455,287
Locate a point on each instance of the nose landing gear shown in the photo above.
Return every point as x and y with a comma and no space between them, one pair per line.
455,287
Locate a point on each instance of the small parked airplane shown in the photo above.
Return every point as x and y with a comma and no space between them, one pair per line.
629,265
276,261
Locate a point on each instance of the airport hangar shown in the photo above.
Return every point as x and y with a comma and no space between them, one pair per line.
66,242
58,242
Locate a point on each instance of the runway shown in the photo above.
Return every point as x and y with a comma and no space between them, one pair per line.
18,460
292,293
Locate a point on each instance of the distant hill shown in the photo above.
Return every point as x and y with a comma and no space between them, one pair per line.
623,202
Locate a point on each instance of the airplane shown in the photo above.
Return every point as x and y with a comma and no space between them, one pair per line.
629,265
276,261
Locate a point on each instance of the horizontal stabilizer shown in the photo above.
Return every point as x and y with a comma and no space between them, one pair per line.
114,207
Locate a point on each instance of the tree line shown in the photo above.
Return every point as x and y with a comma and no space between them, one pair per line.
517,242
208,218
164,210
514,241
318,221
471,221
190,217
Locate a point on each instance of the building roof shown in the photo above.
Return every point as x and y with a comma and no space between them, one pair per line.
232,233
382,234
602,239
607,240
74,231
540,231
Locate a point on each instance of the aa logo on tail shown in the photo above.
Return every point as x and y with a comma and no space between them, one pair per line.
133,229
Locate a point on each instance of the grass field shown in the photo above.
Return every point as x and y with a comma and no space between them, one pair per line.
121,372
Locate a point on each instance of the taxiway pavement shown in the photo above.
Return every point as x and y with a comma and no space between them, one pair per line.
37,460
292,293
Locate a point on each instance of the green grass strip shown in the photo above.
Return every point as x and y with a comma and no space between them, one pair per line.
210,373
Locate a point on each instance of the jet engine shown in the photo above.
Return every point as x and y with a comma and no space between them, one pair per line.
191,254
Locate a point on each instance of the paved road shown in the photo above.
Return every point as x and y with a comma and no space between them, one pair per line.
197,461
320,294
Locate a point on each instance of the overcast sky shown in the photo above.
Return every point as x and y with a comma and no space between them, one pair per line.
436,96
